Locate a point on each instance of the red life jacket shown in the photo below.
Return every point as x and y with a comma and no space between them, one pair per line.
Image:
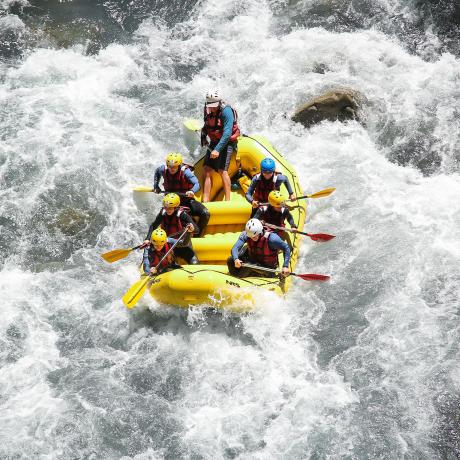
155,256
172,224
259,251
264,187
176,182
214,126
270,216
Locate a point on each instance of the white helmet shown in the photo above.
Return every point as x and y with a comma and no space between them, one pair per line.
213,98
254,227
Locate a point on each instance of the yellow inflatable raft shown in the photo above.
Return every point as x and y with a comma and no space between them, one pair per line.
209,282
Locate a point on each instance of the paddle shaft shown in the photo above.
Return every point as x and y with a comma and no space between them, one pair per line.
305,277
264,269
320,237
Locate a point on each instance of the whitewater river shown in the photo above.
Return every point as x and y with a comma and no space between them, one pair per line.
92,95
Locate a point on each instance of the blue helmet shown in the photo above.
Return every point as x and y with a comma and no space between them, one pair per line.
267,165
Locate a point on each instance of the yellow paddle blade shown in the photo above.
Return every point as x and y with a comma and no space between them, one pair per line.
135,292
193,124
116,254
322,193
142,189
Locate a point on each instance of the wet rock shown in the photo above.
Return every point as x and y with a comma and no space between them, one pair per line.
72,221
337,104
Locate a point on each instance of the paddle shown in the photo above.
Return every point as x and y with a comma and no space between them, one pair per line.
320,237
193,124
117,254
320,194
304,276
137,290
148,189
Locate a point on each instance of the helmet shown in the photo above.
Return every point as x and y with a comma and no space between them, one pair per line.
171,200
276,198
267,165
158,236
173,159
254,227
213,98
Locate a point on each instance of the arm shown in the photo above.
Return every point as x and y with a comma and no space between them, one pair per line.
275,242
187,220
238,245
290,219
227,120
146,261
156,223
157,176
282,179
250,191
193,180
259,213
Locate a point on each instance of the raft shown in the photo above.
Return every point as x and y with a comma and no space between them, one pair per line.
210,283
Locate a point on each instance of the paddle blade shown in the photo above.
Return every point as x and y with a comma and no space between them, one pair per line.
116,254
142,189
322,193
135,292
320,237
312,277
193,124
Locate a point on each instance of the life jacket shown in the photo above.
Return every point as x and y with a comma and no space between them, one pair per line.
259,251
270,216
214,126
172,224
264,187
176,182
155,256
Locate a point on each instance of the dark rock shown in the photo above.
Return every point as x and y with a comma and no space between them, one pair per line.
337,104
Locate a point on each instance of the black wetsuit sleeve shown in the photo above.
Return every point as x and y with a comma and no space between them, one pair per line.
156,223
290,219
186,219
259,214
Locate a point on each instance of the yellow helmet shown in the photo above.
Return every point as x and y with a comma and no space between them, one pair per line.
276,198
173,159
171,200
158,236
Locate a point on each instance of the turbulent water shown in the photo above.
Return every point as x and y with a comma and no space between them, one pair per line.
92,95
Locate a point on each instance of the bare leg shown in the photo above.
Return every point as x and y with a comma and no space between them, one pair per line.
226,182
207,184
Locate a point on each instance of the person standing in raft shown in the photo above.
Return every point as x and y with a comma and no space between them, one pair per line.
221,128
264,182
275,212
156,250
174,219
179,178
262,249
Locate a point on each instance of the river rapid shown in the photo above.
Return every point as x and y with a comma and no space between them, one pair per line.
92,96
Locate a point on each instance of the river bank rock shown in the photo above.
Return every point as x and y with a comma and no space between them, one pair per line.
337,104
